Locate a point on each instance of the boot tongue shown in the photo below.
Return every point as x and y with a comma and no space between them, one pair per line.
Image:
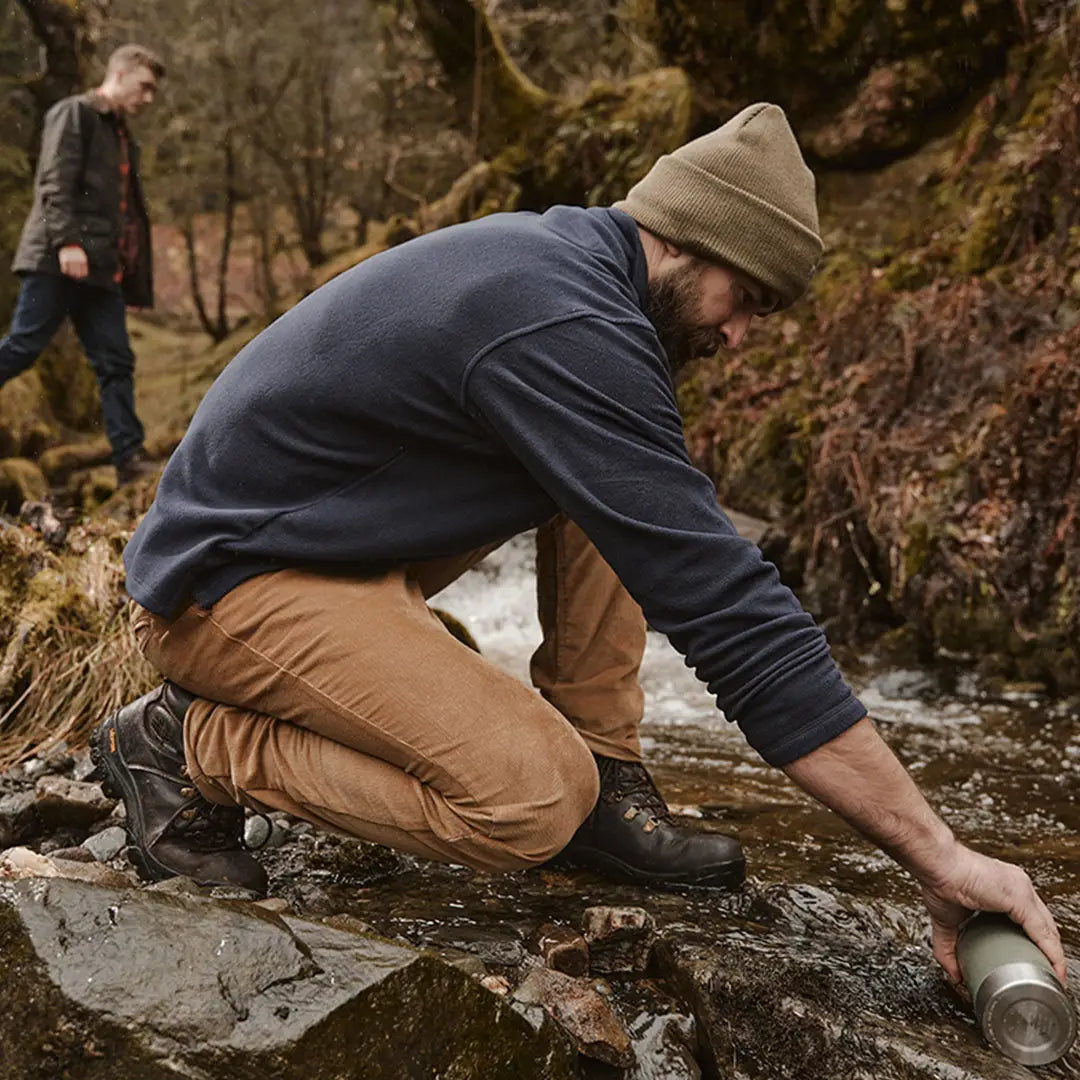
631,779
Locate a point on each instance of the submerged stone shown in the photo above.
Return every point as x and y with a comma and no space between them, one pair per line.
106,983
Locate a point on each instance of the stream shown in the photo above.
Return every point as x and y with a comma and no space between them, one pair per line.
820,966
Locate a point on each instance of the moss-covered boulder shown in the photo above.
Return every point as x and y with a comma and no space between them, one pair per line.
69,384
20,481
889,69
27,423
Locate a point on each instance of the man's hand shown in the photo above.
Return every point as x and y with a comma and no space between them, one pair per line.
860,778
73,262
972,882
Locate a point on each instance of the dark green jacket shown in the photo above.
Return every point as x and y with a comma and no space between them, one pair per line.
77,191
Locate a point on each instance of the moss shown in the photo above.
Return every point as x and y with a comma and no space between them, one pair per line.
20,480
69,384
987,235
916,546
909,272
692,398
95,486
838,281
609,139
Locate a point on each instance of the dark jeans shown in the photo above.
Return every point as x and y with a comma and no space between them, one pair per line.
98,315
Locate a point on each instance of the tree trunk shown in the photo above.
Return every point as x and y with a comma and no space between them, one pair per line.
68,31
495,100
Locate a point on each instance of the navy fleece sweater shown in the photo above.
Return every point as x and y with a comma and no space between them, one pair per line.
459,389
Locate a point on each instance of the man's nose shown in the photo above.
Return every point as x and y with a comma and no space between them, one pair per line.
734,330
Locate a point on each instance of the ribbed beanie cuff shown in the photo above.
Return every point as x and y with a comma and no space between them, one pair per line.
741,195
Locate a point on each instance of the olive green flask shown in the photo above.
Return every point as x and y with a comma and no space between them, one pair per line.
1022,1008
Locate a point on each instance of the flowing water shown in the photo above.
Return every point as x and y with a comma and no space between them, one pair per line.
820,967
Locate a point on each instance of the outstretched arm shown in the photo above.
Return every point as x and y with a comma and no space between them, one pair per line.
860,778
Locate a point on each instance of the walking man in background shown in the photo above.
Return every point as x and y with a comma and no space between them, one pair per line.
401,422
85,248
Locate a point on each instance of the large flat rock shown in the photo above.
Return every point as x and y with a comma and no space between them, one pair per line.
102,982
798,983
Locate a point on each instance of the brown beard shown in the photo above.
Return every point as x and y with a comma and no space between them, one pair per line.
672,304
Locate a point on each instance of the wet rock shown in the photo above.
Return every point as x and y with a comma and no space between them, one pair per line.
72,854
562,949
620,938
277,904
260,833
20,863
18,818
463,961
497,984
34,767
113,983
71,803
106,844
229,892
496,946
83,766
663,1047
343,921
806,984
581,1012
257,830
176,886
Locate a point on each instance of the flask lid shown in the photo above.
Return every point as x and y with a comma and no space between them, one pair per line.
1026,1014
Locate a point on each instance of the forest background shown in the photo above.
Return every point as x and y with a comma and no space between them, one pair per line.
911,428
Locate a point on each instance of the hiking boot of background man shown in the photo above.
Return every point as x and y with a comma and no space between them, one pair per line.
630,835
172,829
135,465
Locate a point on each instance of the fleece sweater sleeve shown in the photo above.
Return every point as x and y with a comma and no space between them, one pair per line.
586,404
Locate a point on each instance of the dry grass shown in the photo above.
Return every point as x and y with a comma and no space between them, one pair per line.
68,654
72,682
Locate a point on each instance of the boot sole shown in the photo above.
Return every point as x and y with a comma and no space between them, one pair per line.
116,784
726,875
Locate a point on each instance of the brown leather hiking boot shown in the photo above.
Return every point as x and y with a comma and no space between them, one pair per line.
630,835
171,828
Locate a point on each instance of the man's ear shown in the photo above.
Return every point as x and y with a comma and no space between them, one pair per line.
673,251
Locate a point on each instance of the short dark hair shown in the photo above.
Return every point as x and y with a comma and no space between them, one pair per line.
132,56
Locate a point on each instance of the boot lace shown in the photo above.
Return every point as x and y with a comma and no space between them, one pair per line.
630,780
208,826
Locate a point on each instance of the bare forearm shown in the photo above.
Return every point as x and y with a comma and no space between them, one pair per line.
860,778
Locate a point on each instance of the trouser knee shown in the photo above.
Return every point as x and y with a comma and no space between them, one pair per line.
545,813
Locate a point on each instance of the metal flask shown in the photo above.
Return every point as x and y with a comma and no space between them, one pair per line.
1022,1008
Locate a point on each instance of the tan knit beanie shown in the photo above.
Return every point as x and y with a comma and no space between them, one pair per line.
741,194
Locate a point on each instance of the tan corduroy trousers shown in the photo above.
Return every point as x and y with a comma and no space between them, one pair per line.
344,700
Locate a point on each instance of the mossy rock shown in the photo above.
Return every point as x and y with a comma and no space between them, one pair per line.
93,486
27,424
817,59
69,384
20,481
59,462
605,142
